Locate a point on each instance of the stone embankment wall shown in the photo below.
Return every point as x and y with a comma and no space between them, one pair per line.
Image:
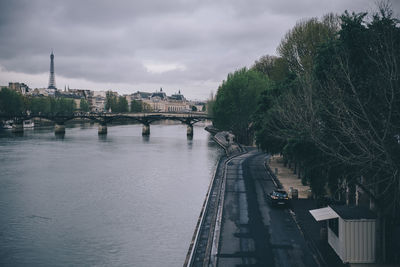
226,140
203,241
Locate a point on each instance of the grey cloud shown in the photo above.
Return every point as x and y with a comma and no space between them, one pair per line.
110,41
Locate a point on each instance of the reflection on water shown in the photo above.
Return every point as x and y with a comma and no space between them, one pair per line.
59,136
146,138
113,200
102,137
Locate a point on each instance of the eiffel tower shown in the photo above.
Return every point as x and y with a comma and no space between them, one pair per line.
52,79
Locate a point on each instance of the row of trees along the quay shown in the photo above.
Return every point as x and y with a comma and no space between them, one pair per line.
140,106
236,102
120,104
13,104
330,104
116,103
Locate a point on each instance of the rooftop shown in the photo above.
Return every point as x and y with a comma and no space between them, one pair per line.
353,212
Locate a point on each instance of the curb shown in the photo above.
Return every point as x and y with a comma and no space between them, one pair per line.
310,242
275,179
193,243
212,245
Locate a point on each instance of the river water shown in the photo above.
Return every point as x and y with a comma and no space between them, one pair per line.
86,200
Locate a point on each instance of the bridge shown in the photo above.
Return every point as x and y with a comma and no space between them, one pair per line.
188,118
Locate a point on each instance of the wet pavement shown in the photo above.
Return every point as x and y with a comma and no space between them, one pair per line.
253,233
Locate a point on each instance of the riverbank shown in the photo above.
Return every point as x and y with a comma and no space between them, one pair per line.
245,230
205,240
226,140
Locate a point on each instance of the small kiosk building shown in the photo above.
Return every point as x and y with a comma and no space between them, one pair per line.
351,232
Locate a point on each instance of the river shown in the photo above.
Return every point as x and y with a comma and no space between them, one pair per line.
87,200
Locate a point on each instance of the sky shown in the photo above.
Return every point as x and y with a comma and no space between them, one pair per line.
132,45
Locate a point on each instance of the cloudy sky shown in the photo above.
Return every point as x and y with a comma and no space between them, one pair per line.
134,45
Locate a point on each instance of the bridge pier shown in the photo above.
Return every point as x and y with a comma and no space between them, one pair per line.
146,130
102,129
59,128
189,131
17,127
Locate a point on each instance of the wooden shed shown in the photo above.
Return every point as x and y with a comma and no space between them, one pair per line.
351,232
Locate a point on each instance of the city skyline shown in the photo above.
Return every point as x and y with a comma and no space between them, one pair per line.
133,46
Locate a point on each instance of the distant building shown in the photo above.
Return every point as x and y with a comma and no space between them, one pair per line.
177,103
140,95
19,87
83,93
158,95
160,102
39,92
76,95
97,101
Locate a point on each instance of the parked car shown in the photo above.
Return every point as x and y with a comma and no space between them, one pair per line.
278,197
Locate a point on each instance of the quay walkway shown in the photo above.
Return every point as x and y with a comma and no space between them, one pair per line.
236,226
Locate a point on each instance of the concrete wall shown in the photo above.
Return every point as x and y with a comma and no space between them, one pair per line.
334,241
359,241
356,241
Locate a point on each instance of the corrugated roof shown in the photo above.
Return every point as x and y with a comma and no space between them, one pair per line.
353,212
323,214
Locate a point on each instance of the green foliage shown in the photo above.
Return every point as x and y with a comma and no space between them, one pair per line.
210,107
265,64
39,105
336,111
236,102
84,105
136,106
116,104
358,76
51,106
11,102
111,101
276,68
62,106
146,107
300,44
194,108
122,105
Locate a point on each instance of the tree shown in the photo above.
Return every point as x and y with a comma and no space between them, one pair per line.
62,106
146,107
136,106
39,105
122,105
111,101
11,103
116,104
359,78
210,104
194,108
276,68
339,116
265,64
299,45
84,105
236,102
